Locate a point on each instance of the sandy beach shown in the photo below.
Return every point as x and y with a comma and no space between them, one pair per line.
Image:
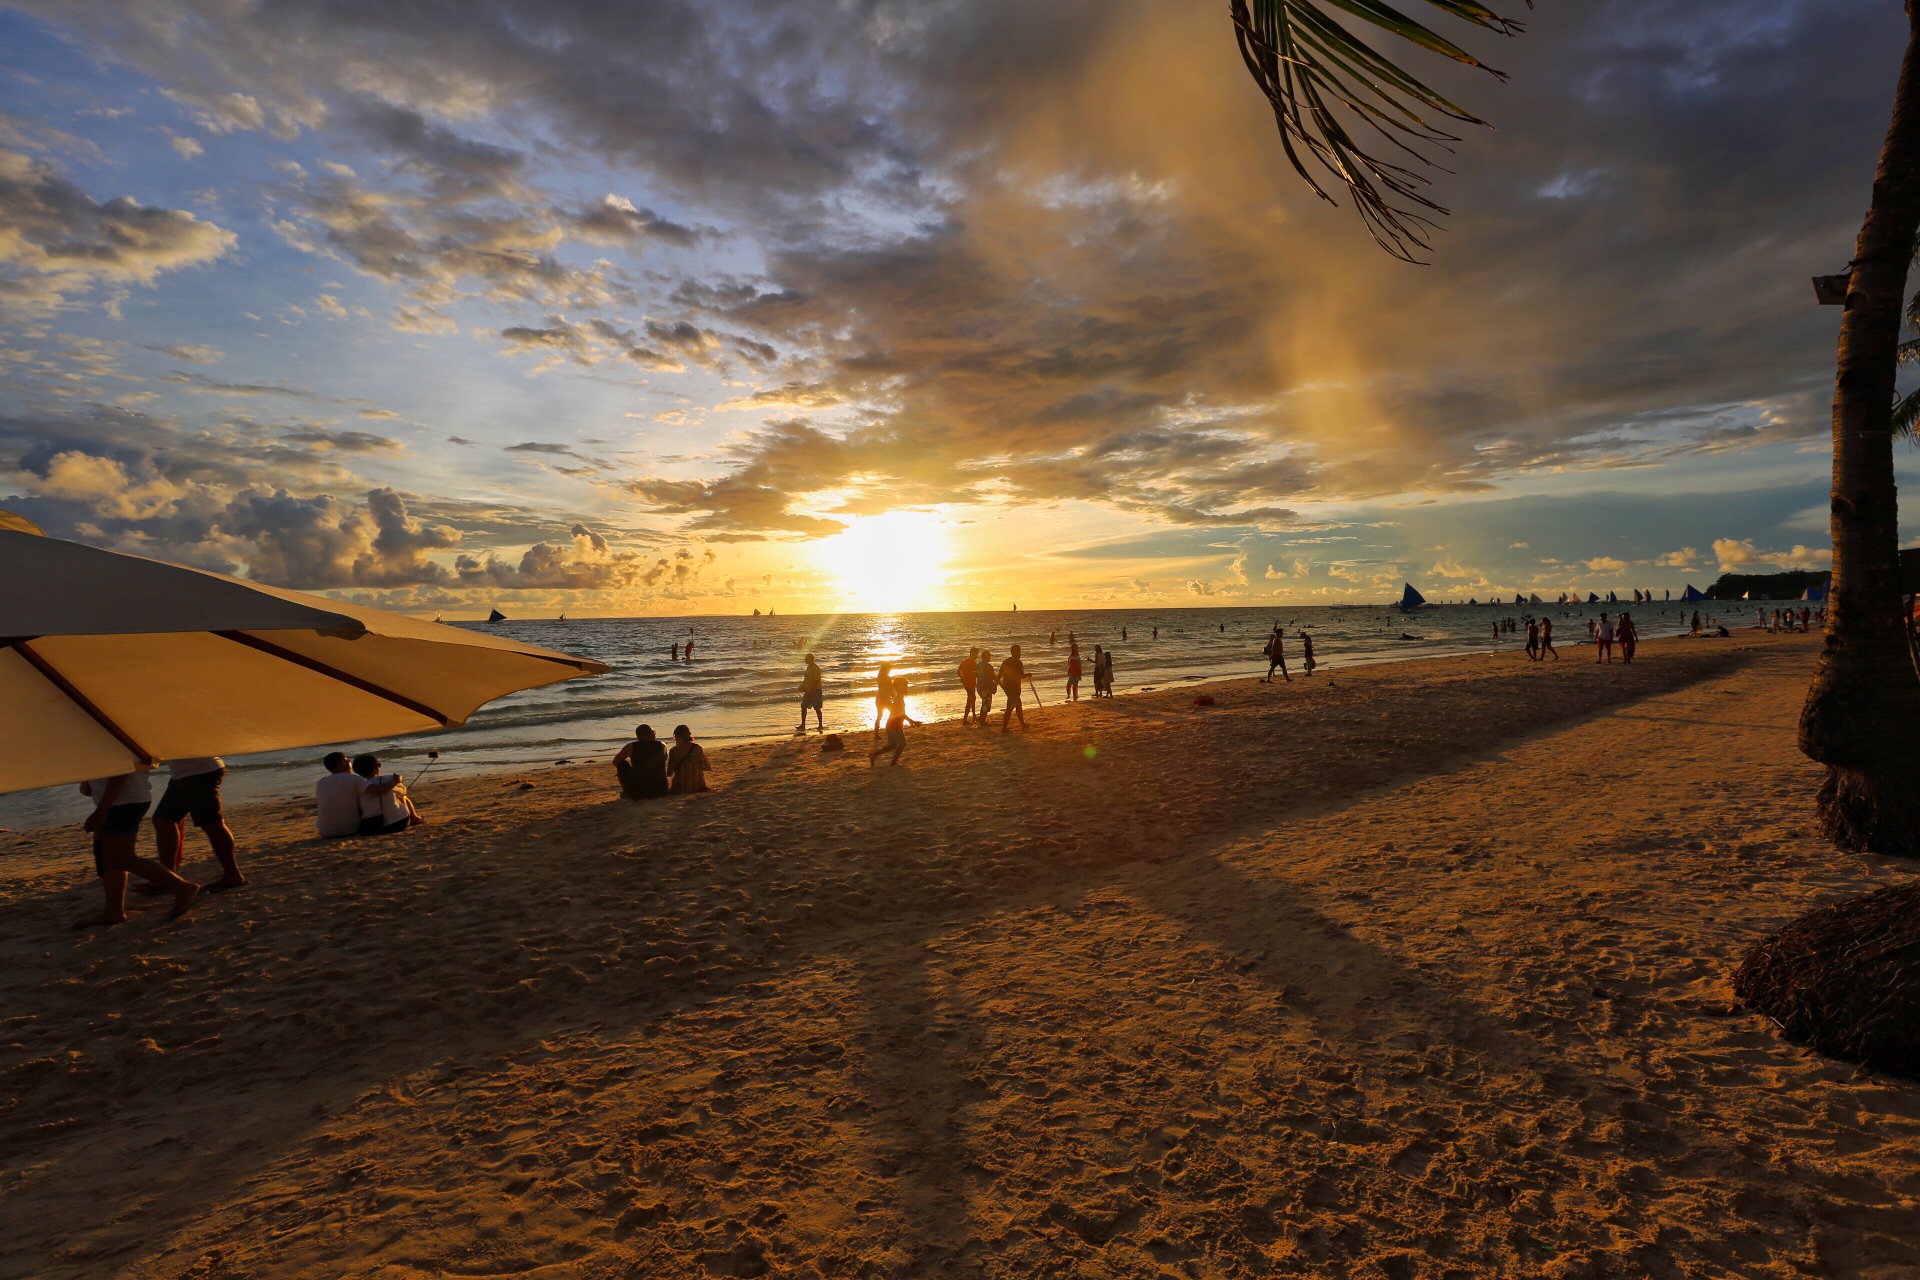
1417,970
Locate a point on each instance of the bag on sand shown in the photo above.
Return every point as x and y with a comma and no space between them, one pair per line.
832,742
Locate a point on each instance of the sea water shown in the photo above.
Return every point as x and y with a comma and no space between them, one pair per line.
743,683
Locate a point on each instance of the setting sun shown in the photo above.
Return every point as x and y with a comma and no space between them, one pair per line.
890,562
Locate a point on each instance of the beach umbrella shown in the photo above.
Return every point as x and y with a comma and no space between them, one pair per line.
110,661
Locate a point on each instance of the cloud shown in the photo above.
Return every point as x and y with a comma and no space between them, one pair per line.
585,563
57,241
1605,564
329,305
615,220
192,352
1735,554
187,148
1684,558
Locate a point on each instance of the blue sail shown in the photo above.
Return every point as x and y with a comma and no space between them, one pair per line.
497,616
1691,594
1592,598
1411,599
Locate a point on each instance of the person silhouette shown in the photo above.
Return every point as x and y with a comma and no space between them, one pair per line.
882,695
812,694
897,719
1013,675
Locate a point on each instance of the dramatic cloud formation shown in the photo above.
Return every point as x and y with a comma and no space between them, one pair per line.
56,240
821,261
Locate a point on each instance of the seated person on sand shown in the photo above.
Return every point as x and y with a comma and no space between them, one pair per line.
119,803
641,765
687,763
337,798
385,806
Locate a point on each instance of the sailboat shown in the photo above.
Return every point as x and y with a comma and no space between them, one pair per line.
1612,598
496,616
1411,600
1535,599
1592,598
1691,594
562,617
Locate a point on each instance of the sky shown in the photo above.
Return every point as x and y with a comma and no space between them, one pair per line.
683,308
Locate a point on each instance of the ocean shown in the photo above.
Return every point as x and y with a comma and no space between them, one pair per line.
744,680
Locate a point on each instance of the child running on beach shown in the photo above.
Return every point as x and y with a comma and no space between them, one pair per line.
897,718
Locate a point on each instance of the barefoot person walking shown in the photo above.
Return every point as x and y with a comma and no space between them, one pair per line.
897,719
1073,674
969,676
984,680
119,803
1013,677
193,791
1276,652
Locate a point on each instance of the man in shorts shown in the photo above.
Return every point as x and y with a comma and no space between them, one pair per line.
983,683
1013,674
119,803
193,791
812,694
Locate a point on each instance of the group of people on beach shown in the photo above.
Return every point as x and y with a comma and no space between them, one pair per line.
648,769
1102,669
1276,654
121,801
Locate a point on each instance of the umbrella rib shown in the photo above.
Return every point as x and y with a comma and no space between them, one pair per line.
82,701
334,673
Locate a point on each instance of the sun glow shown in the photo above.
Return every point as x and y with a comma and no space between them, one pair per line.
888,563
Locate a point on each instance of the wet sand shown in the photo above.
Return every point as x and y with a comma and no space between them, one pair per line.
1418,970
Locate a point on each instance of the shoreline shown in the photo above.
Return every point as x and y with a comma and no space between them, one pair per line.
1177,688
1426,961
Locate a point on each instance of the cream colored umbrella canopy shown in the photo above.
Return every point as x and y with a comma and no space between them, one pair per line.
110,661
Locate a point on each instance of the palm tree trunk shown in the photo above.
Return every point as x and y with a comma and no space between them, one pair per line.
1862,715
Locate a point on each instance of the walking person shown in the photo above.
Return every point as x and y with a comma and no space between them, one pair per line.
1533,640
1629,636
969,676
193,791
686,763
897,720
1603,640
813,694
1546,640
1306,652
119,803
1013,678
1106,672
1073,674
882,695
1276,652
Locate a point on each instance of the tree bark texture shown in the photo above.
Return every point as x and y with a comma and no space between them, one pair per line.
1862,715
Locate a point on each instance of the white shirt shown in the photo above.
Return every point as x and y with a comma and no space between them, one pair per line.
336,798
193,766
384,805
135,788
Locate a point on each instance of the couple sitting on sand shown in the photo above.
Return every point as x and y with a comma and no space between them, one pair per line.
361,801
647,769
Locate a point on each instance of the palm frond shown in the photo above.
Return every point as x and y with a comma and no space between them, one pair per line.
1906,416
1325,82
